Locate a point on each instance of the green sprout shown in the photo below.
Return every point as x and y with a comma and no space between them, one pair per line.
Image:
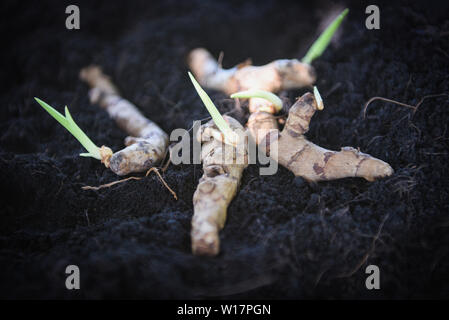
255,93
324,39
68,123
220,122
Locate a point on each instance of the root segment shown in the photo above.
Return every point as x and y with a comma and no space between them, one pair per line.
147,143
314,163
223,166
414,108
113,183
278,75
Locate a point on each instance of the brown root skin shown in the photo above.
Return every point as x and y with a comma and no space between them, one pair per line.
260,123
216,189
312,162
275,76
147,142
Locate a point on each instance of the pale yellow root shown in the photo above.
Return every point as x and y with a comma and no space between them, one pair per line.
147,143
312,162
223,166
275,76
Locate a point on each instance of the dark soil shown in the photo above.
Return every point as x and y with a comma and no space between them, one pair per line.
283,238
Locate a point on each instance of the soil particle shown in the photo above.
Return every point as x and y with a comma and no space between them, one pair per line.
283,238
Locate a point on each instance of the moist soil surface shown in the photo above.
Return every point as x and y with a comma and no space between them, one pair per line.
283,238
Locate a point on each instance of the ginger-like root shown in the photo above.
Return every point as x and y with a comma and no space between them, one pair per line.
275,76
312,162
146,144
223,166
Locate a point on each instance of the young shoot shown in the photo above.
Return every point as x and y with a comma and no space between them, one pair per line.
255,93
68,123
324,39
230,136
319,101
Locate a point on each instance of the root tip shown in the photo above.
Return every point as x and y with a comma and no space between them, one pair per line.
205,242
203,247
